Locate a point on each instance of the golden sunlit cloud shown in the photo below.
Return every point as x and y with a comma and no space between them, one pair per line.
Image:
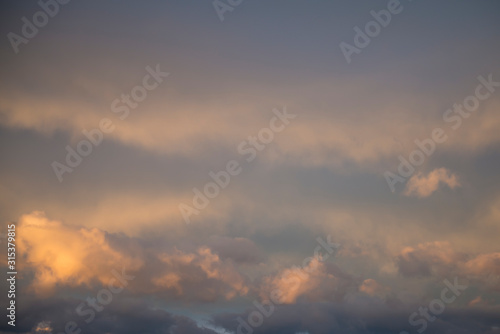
314,282
63,255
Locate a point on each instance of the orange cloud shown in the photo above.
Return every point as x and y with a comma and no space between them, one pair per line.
476,301
64,255
428,258
424,186
439,258
486,266
313,281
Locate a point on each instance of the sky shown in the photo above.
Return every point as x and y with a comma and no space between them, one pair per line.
237,166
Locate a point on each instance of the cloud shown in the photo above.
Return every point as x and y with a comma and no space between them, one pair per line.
485,267
326,318
61,255
78,97
315,281
373,288
427,259
424,186
65,255
128,316
42,327
440,259
200,275
476,301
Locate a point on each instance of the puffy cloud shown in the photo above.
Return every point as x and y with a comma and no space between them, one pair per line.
484,264
485,267
316,281
427,259
424,186
64,255
441,260
201,275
